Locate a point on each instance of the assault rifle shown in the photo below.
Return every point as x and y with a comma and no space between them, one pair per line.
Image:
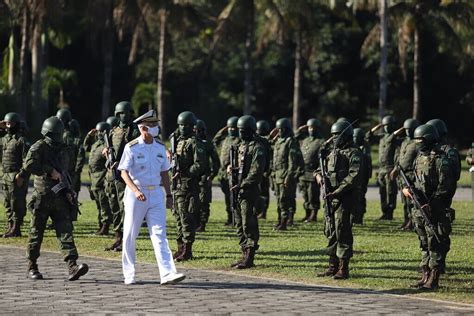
414,196
325,186
111,156
234,179
65,185
174,162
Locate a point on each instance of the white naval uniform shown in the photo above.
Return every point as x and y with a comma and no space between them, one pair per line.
144,163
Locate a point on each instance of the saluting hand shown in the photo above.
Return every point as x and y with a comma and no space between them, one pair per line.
140,196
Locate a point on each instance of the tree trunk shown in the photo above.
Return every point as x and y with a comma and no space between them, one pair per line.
161,65
12,44
108,55
24,82
297,81
416,75
383,57
61,103
248,66
37,67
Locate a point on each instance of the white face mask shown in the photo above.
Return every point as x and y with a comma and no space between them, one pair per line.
153,131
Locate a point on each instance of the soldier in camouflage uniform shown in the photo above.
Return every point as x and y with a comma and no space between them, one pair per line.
14,149
188,168
365,174
81,154
74,144
288,165
344,173
455,159
311,141
387,146
404,159
120,135
436,180
262,135
226,137
47,161
251,165
211,166
94,143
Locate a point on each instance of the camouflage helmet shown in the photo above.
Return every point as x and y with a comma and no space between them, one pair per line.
359,135
426,132
112,121
283,123
200,125
123,107
440,127
232,121
74,126
263,128
12,117
343,127
102,126
410,125
388,120
187,118
314,123
247,122
64,115
52,125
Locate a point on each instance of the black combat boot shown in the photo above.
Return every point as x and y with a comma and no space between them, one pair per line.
242,258
290,220
332,268
179,251
201,228
76,271
14,231
305,218
103,231
343,272
8,229
433,281
33,272
313,215
117,243
425,274
247,263
187,253
282,225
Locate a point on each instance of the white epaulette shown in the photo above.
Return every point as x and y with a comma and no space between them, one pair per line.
133,142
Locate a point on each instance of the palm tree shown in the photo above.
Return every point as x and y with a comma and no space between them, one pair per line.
56,79
417,17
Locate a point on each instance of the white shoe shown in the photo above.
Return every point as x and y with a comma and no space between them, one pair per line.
129,281
172,278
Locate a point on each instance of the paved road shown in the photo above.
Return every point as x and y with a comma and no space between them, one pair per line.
462,194
101,291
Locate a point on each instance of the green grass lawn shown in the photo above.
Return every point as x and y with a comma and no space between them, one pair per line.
385,258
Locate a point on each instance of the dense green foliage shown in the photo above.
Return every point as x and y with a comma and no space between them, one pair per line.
209,79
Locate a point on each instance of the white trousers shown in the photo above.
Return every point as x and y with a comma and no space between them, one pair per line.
154,211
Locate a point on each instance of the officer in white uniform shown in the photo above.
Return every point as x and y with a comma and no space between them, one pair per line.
144,167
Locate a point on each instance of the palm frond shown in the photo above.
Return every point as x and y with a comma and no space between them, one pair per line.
372,39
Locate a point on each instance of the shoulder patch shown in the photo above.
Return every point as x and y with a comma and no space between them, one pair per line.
133,142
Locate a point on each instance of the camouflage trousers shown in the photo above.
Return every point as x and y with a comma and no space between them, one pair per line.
339,230
286,200
185,211
224,183
15,199
58,208
205,199
388,191
261,205
246,221
104,215
433,252
311,192
115,191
